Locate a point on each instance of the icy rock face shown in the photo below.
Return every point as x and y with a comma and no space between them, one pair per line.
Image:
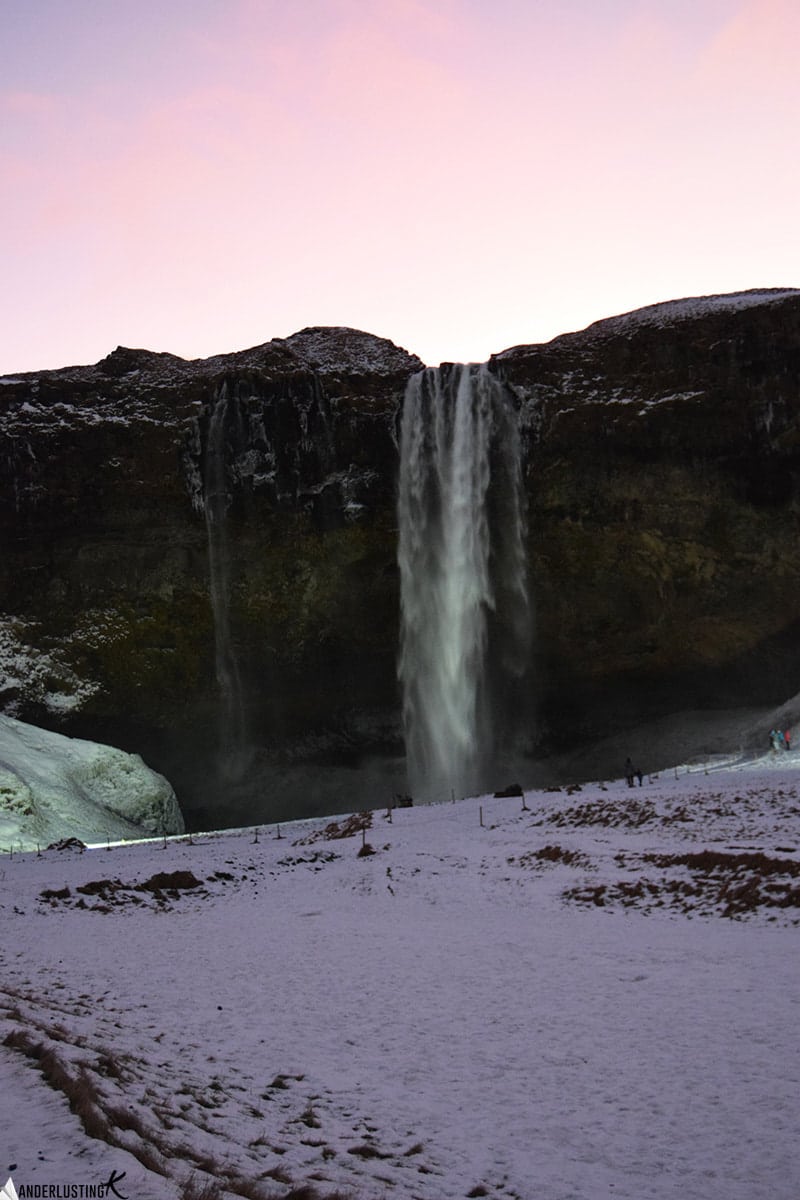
54,787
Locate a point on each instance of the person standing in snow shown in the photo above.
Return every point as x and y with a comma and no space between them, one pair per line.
787,738
629,772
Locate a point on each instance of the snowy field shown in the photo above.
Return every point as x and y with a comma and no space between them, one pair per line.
594,992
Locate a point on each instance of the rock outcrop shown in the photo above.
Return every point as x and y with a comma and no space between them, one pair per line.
662,456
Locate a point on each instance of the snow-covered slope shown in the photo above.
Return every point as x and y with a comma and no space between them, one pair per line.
54,787
670,312
590,992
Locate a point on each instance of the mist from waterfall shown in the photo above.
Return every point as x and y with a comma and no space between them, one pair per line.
233,755
465,628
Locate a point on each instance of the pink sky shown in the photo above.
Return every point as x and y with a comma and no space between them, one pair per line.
460,176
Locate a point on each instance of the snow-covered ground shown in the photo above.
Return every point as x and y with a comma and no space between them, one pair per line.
590,993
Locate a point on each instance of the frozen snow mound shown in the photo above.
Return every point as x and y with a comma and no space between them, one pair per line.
54,787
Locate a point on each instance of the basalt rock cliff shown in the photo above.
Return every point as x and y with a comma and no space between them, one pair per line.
664,510
662,459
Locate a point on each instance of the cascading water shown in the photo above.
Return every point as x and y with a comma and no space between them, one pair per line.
233,756
464,607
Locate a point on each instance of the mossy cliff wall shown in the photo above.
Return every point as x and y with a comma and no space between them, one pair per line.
663,478
663,475
108,629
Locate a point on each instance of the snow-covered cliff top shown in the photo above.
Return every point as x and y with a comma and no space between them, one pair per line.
350,351
671,312
340,350
660,316
327,350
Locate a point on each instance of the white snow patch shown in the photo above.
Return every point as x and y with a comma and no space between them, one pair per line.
36,675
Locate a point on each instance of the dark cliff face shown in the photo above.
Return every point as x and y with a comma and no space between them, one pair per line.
663,482
664,487
108,626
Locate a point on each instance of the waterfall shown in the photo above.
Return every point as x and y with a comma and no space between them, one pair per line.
233,755
461,553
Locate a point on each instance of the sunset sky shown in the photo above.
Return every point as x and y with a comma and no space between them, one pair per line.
460,176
